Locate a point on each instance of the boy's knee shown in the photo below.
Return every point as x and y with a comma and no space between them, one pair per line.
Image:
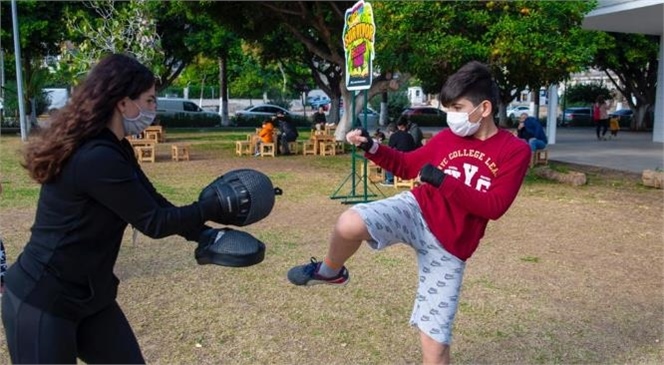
350,225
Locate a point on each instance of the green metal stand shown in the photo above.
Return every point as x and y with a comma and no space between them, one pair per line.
354,178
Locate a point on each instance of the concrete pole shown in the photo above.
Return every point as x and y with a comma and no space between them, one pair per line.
551,114
19,74
658,120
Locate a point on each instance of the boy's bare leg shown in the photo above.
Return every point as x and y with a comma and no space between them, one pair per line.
347,237
434,353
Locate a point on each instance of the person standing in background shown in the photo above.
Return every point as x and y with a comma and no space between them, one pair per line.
601,117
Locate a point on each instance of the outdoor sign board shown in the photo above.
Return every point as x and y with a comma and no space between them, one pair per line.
358,37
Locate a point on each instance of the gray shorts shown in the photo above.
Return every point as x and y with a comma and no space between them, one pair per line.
398,219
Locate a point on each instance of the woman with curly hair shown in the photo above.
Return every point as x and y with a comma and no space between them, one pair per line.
59,301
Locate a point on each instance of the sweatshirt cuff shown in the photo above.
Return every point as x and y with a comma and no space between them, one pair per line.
373,148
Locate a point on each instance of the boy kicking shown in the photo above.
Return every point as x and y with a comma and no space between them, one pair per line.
471,173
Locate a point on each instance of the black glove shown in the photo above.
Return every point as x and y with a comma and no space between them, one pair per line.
239,197
430,174
366,146
228,247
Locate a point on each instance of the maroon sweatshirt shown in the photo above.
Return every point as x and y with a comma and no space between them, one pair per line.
483,178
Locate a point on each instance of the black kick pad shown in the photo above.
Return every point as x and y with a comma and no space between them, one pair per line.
229,247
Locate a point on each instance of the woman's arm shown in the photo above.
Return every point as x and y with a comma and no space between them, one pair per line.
110,179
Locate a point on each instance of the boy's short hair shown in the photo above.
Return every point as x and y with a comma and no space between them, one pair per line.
472,81
402,122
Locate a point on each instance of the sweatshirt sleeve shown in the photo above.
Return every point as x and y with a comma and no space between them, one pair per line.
107,177
406,165
493,203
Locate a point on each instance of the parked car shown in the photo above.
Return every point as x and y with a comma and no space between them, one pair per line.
624,116
516,111
177,112
422,110
318,100
576,116
261,111
372,118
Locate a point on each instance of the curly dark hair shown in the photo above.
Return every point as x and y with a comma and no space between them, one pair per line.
86,114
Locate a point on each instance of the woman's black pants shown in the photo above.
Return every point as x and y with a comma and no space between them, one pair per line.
38,337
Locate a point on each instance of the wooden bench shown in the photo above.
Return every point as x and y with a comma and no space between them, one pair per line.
180,151
327,148
293,147
539,157
375,172
268,149
243,148
404,183
156,133
144,149
309,147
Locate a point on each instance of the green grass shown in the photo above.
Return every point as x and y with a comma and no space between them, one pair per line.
535,291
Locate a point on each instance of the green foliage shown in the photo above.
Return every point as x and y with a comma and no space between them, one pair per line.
526,43
111,27
585,94
42,101
282,102
396,102
633,58
188,120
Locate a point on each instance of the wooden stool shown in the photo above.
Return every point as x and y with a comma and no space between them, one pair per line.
145,153
268,149
308,148
180,152
328,148
375,172
243,148
340,146
404,183
539,157
152,135
293,147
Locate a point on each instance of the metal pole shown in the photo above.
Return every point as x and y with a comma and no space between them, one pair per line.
2,73
19,74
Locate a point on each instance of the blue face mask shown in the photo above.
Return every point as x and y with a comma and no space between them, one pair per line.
137,124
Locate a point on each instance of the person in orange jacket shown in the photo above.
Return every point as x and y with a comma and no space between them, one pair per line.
266,135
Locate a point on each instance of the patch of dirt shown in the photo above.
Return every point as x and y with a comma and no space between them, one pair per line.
568,275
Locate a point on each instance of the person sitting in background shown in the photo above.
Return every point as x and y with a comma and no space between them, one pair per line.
265,135
288,133
415,132
400,140
319,119
531,131
379,136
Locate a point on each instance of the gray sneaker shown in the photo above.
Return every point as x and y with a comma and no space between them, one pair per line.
308,275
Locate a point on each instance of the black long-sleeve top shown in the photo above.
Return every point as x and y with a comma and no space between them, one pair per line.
66,268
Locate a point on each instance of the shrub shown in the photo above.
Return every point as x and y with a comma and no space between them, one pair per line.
188,120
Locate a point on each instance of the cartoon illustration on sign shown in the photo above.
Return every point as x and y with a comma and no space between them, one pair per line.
358,36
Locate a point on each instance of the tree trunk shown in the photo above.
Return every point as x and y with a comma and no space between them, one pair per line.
383,110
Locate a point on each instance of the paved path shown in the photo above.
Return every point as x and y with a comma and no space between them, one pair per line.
630,152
